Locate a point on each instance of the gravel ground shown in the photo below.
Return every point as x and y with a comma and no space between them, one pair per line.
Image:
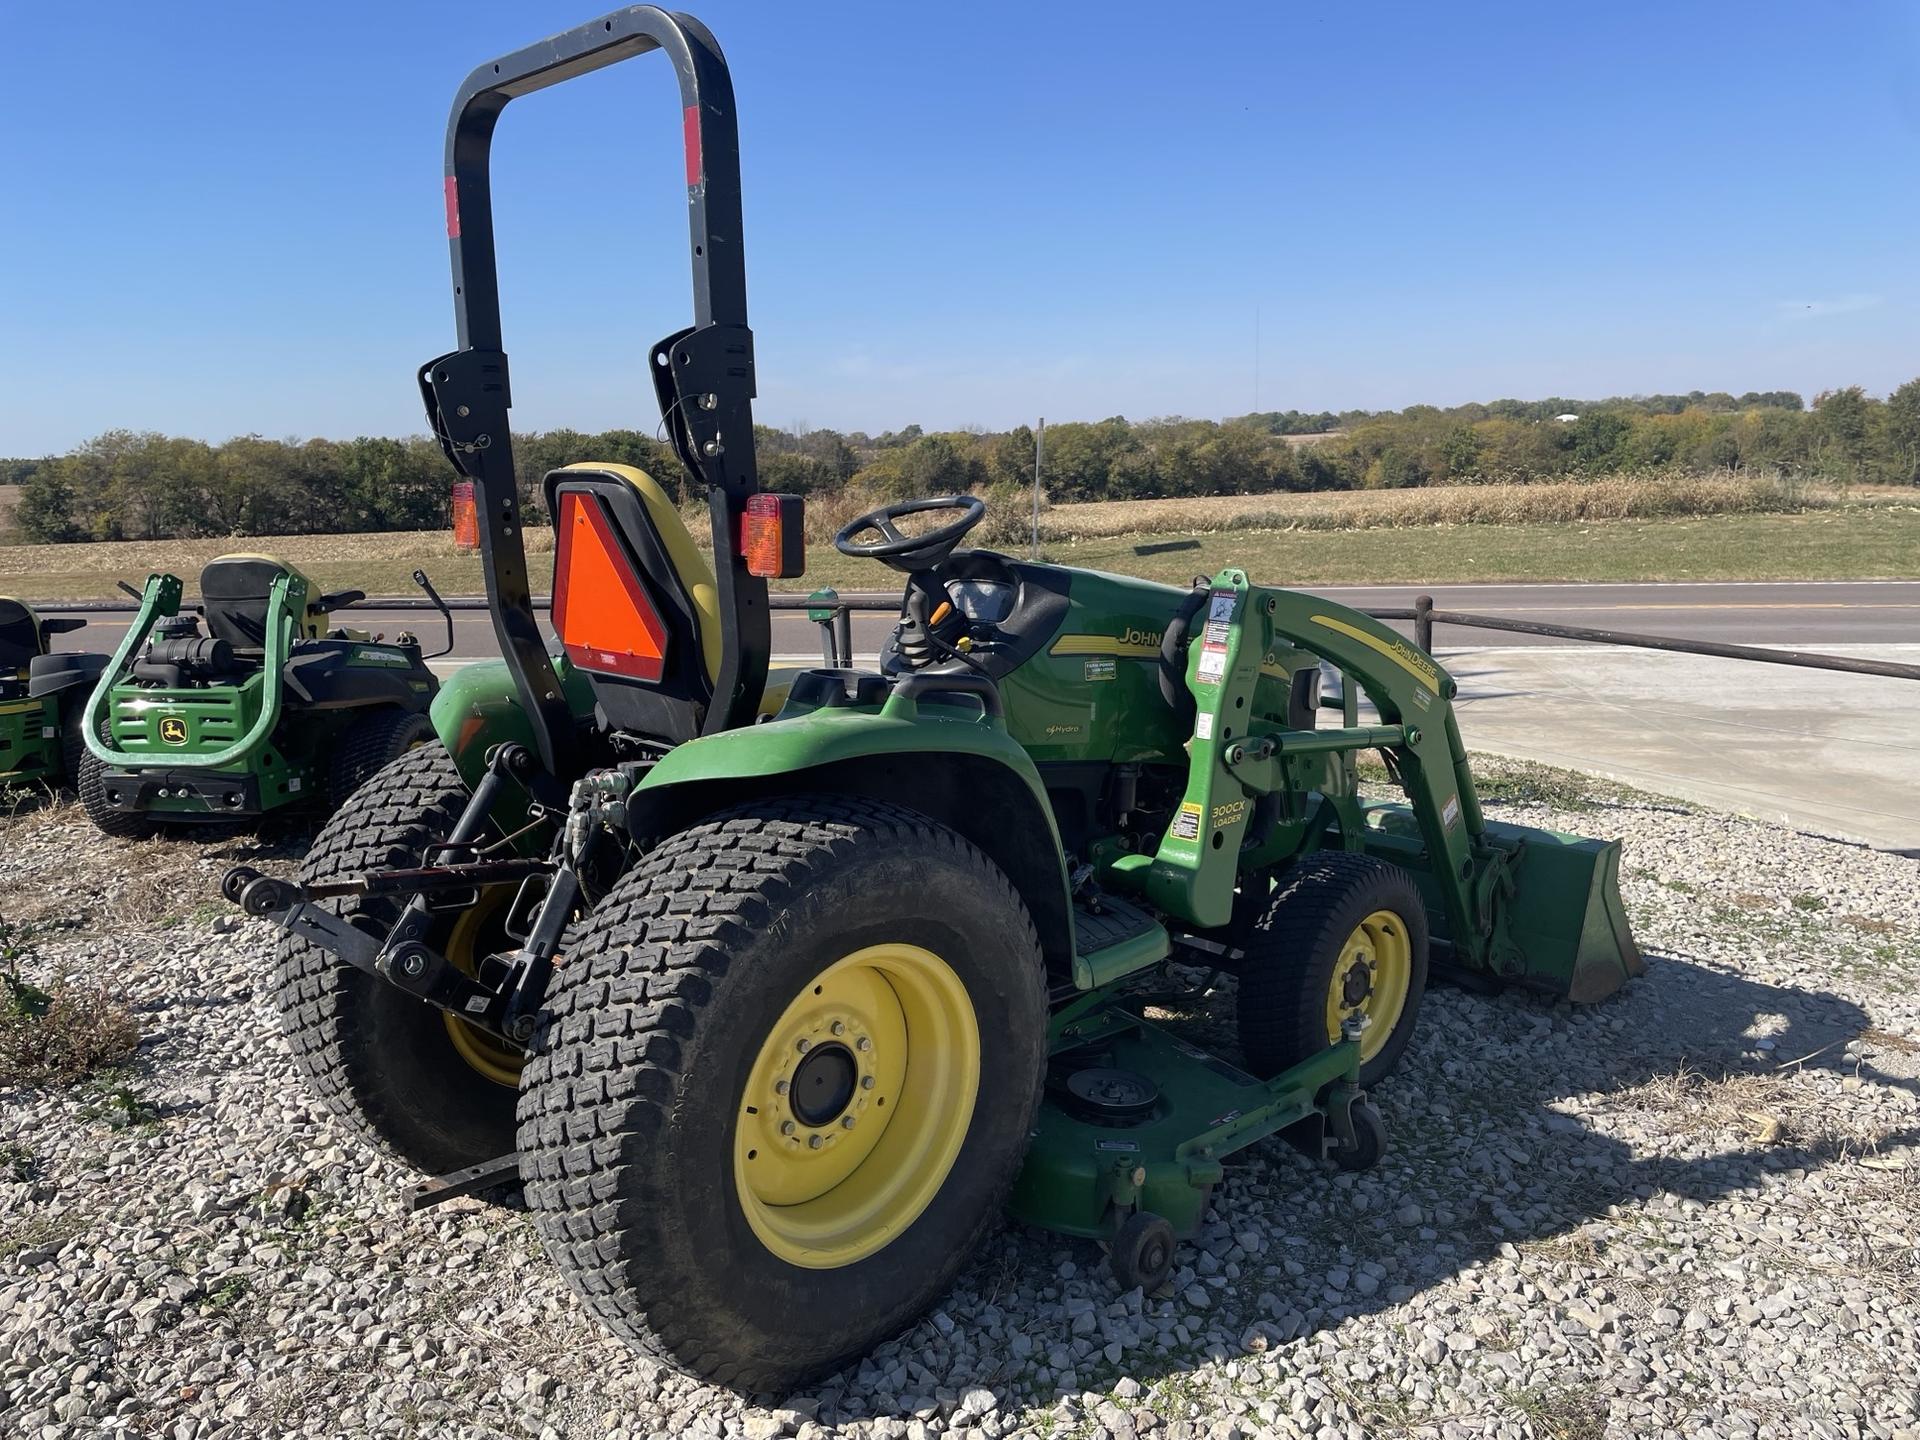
1689,1211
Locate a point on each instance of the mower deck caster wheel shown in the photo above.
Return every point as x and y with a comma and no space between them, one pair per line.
1369,1141
1141,1252
235,881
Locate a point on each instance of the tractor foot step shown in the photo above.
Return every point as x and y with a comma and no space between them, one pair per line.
1115,940
487,1175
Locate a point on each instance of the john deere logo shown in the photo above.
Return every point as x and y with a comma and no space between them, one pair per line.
173,730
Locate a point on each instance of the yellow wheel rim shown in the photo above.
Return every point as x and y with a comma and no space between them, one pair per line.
856,1106
488,1055
1371,979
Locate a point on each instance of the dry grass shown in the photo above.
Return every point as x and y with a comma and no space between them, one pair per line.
60,1034
1756,1108
1655,495
112,886
94,566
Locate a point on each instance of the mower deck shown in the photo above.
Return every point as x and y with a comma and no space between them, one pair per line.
1136,1119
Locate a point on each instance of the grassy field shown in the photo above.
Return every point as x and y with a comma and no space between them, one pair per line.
1473,533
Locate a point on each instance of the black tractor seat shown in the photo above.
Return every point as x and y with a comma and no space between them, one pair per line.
21,639
234,591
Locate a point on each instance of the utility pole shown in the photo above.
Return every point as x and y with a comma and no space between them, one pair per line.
1039,449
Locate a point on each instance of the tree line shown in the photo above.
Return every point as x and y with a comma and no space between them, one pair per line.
128,485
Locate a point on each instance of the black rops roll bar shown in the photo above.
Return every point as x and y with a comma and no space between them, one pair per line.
703,375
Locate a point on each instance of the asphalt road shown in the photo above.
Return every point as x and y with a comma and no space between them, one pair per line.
1796,614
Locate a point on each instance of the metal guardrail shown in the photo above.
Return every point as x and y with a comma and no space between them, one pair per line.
1424,617
838,615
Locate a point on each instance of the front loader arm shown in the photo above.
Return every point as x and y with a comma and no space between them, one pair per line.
1237,758
1515,903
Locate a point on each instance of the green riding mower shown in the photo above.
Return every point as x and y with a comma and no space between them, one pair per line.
41,696
772,1016
268,707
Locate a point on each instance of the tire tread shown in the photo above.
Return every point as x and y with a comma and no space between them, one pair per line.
605,1070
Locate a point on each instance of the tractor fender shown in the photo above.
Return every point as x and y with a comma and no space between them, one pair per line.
57,674
477,708
953,765
342,674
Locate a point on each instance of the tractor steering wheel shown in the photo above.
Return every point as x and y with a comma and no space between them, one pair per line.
910,553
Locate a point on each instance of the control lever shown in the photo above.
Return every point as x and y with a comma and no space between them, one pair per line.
420,579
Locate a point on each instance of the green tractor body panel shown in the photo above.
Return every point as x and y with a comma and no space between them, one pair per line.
802,737
166,728
29,736
1092,691
41,692
477,708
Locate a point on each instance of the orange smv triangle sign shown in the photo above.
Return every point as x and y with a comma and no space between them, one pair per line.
601,609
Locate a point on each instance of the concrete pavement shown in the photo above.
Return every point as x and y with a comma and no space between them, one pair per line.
1830,753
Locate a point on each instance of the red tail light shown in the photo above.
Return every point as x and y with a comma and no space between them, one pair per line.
773,536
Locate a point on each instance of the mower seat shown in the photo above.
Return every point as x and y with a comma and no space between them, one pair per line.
634,602
234,590
21,636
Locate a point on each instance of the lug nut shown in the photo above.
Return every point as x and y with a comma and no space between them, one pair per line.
786,1127
846,1122
866,1082
805,1045
814,1142
779,1087
837,1028
863,1043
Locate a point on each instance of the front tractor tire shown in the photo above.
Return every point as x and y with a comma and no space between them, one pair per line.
785,1081
417,1083
1343,936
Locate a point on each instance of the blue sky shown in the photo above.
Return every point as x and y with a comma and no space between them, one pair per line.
219,217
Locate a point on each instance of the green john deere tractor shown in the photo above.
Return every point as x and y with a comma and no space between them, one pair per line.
41,694
269,707
773,1015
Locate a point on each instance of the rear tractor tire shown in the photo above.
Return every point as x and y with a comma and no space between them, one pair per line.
420,1084
784,1084
1344,935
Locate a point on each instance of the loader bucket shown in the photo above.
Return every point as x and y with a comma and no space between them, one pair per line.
1565,932
1565,916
